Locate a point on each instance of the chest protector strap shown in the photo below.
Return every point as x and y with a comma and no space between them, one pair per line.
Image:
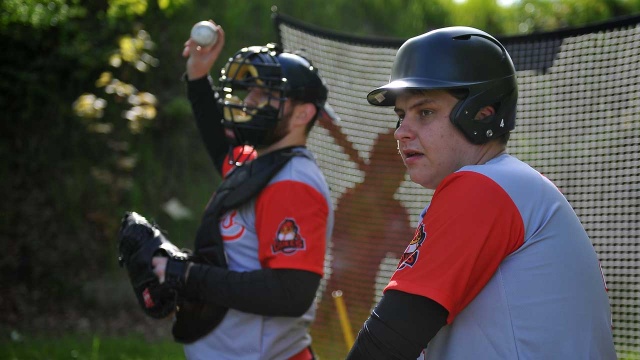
195,320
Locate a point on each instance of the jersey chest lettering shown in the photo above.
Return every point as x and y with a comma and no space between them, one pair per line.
230,229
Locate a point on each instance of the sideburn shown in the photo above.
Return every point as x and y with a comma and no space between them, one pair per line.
280,130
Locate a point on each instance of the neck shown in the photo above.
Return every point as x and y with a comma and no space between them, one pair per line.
288,141
493,150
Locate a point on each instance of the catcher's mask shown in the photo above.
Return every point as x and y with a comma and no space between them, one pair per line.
463,58
254,85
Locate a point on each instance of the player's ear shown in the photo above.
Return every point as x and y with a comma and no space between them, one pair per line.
304,113
484,112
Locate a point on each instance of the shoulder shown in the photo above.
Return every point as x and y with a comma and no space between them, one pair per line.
500,178
303,169
505,174
509,172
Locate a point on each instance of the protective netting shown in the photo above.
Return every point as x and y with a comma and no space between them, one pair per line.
578,117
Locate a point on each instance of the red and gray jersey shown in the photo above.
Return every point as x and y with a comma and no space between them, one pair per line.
285,227
503,251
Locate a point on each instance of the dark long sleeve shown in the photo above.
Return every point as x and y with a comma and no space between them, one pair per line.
399,328
270,292
208,119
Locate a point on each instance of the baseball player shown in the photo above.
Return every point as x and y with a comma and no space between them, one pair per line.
499,266
276,212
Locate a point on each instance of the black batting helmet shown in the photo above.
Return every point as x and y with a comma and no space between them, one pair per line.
464,58
285,76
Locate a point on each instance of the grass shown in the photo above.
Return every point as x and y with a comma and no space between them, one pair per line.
83,347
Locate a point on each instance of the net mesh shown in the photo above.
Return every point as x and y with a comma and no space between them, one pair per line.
577,124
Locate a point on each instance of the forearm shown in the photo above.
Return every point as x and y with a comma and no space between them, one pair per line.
208,119
399,328
270,292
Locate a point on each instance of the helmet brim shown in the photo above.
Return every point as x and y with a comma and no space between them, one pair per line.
386,95
327,113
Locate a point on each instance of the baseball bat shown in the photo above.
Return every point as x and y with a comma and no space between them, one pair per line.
344,318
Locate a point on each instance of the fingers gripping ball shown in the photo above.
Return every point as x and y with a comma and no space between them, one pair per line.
139,242
204,33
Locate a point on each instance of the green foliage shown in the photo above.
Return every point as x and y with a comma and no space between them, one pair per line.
126,115
135,8
127,8
38,14
486,15
65,188
394,18
545,15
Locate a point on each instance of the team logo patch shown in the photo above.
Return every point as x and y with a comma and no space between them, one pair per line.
288,239
412,252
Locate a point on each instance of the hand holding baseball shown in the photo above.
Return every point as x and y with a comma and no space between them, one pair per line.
204,33
201,57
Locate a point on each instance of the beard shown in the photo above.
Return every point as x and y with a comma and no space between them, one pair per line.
278,132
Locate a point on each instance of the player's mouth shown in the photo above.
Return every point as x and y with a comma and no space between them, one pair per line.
411,156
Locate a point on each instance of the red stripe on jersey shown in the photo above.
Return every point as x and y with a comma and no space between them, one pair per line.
291,218
470,226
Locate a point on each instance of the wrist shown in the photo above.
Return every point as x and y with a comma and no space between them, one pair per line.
176,273
191,75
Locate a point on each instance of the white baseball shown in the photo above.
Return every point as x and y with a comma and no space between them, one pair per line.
204,33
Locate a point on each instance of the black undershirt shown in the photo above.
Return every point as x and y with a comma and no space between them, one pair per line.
208,119
269,292
400,327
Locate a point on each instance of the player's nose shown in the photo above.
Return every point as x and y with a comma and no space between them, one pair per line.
403,130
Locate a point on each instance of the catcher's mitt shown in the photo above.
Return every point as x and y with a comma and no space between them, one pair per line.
139,242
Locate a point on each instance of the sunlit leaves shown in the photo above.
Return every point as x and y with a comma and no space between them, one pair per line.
482,14
126,8
128,112
169,6
132,8
527,16
143,110
89,106
134,51
39,14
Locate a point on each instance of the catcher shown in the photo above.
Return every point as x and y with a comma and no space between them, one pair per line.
247,291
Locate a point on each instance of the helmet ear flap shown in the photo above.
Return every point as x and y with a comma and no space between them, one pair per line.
480,131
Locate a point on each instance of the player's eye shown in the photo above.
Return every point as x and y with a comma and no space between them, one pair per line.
425,112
